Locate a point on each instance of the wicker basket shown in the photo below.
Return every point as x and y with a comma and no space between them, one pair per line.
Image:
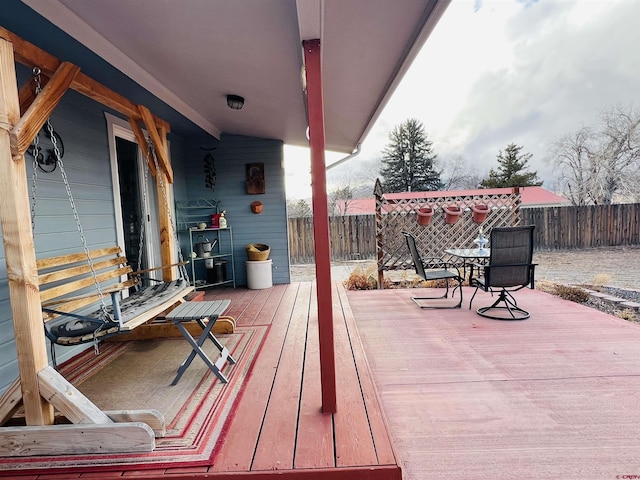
258,252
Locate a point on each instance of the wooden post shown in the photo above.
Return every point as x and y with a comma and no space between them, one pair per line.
164,176
377,192
20,258
167,239
315,107
142,144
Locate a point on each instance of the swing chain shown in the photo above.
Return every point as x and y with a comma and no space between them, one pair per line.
36,152
65,179
83,239
145,211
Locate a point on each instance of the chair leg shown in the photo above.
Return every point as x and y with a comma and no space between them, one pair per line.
473,296
418,300
505,302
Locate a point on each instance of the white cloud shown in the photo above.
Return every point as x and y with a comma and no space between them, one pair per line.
545,69
508,71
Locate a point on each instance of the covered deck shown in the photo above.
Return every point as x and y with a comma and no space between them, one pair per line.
268,420
550,397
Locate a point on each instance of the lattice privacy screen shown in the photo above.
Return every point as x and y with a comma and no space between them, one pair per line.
393,216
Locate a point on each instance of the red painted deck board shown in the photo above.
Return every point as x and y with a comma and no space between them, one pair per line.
263,308
279,424
278,435
314,446
354,443
385,452
252,310
277,427
551,397
239,444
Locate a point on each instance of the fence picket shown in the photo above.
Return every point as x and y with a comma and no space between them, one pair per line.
353,237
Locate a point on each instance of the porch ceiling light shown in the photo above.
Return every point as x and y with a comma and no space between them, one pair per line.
235,102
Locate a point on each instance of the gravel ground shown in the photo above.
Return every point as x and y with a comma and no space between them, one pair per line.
612,266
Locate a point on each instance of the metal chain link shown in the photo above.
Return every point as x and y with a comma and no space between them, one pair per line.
36,152
143,219
76,217
56,150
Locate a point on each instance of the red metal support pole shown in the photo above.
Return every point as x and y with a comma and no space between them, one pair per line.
315,108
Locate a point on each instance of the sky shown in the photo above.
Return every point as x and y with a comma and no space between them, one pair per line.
496,72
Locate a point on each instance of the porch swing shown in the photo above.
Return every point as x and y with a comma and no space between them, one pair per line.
66,319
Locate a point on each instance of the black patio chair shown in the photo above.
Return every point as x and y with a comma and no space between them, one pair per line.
435,268
509,269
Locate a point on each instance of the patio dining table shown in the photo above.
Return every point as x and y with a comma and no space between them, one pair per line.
469,256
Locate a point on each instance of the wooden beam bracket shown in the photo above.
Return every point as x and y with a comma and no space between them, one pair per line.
40,109
159,144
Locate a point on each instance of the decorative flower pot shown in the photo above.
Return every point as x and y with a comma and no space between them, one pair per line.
479,212
424,215
256,207
452,213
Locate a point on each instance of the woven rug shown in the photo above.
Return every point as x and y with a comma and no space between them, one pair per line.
138,375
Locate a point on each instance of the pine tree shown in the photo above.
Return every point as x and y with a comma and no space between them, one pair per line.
408,161
511,170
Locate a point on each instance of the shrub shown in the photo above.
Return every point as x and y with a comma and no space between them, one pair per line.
574,294
627,314
360,281
602,279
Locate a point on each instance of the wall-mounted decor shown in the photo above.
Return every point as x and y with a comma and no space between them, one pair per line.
255,178
256,207
209,170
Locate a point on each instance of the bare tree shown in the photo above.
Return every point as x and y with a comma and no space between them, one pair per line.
457,174
620,152
594,165
339,201
573,159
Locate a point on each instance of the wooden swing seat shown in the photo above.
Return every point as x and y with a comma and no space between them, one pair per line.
68,291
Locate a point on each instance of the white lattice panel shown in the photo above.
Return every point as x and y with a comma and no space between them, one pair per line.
393,216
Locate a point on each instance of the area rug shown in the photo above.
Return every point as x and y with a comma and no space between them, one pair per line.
138,375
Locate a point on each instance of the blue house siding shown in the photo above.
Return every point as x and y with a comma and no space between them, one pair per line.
232,154
81,124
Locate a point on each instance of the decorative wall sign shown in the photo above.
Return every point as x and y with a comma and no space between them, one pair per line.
255,178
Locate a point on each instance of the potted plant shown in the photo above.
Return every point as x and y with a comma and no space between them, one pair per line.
480,212
452,213
424,215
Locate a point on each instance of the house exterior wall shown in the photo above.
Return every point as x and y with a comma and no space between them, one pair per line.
81,124
231,155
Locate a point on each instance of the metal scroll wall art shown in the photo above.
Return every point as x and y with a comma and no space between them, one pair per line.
209,170
46,158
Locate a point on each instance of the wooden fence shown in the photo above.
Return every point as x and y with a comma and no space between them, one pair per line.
353,237
564,228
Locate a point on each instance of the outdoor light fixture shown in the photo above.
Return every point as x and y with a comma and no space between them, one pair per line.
236,102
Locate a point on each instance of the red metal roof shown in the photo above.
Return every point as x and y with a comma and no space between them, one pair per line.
531,197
